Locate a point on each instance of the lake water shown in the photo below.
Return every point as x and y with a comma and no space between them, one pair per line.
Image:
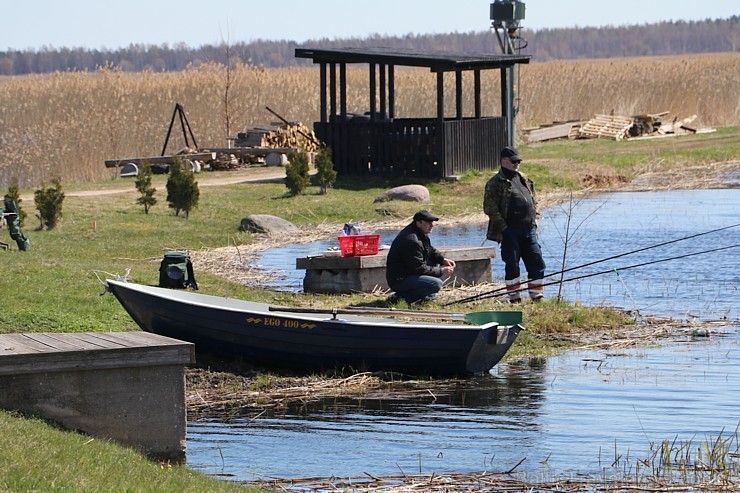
704,286
566,415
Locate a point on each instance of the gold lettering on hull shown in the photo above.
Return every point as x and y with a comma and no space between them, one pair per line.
277,322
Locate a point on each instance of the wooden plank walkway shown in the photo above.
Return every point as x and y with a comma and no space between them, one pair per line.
125,386
48,352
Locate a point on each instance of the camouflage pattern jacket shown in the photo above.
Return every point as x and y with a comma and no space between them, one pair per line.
496,203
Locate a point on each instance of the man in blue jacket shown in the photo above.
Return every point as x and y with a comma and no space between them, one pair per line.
414,268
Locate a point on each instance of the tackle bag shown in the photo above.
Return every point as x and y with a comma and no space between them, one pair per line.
176,271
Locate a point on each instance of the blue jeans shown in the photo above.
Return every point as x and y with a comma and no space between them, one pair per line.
521,244
414,288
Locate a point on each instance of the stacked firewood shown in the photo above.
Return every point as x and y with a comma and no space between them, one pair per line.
279,135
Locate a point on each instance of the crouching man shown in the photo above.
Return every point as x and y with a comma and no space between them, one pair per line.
414,269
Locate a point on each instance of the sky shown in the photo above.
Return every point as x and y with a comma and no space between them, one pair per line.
100,24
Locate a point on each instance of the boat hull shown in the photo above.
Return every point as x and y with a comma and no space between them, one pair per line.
280,340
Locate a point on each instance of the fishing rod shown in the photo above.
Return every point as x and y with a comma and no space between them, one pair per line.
479,296
494,294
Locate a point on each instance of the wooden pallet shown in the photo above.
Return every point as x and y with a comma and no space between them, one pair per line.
606,126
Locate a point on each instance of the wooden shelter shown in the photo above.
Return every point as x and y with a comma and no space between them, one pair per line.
380,143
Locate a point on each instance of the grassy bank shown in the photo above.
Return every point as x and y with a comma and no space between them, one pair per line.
35,456
52,287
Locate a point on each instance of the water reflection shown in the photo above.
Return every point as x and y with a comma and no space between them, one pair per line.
575,412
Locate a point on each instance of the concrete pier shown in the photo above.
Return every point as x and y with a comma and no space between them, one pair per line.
366,273
128,387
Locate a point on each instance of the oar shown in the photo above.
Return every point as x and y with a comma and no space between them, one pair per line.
504,317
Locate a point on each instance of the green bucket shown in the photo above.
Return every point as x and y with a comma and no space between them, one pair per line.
500,317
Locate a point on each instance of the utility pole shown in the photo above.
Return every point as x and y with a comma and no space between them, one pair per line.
506,15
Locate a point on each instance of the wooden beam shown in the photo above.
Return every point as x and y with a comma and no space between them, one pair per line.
332,90
252,151
391,93
201,156
373,97
382,92
476,90
322,94
458,95
343,88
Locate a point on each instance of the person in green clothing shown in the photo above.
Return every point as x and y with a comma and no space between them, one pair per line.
11,215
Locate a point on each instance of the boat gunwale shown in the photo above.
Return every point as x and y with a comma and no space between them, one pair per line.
353,320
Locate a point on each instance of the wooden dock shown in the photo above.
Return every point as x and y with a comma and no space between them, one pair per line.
125,386
366,273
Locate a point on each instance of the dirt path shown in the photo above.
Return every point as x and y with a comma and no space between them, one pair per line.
207,179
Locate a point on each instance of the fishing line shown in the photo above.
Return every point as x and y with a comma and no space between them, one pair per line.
485,295
496,293
634,303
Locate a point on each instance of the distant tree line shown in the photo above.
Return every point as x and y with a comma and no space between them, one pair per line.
664,38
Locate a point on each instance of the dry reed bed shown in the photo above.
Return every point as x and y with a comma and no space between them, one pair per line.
68,123
488,482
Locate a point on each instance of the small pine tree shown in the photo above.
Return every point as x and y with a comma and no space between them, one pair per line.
145,188
297,177
325,174
182,189
14,194
49,201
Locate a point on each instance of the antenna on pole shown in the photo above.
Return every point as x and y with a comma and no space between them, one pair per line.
506,15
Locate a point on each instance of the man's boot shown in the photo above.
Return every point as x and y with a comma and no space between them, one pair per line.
512,287
536,289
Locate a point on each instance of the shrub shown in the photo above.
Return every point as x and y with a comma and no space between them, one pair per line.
182,189
297,178
145,188
49,203
325,174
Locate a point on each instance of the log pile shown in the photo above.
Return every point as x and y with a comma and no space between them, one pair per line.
279,135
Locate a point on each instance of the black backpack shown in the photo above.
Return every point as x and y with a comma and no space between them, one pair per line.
176,271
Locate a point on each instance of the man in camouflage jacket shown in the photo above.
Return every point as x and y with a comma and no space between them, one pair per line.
511,206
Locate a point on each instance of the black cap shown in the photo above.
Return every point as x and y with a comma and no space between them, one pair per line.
511,153
425,216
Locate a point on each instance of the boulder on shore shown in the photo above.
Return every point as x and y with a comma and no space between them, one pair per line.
265,223
408,193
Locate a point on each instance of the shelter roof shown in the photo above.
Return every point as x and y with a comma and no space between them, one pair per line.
437,61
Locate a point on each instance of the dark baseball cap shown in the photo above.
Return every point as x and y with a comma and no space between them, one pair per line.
511,153
425,216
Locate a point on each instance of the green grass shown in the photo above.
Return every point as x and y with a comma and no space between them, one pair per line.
35,456
630,157
52,287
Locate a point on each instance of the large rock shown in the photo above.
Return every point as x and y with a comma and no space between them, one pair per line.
408,193
265,223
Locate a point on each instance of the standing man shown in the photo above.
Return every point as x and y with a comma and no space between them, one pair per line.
510,204
414,267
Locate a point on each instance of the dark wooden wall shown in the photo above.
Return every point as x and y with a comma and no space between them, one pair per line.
412,146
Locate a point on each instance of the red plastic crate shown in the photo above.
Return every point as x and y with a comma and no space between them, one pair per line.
358,245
